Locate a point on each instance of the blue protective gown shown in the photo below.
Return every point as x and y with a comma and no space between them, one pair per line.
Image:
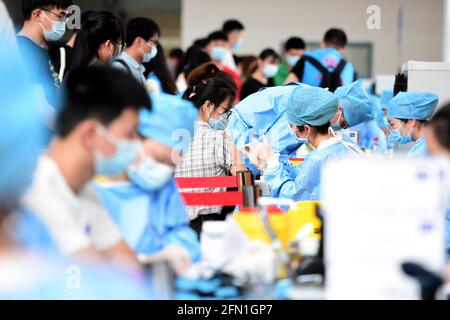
149,220
419,149
302,183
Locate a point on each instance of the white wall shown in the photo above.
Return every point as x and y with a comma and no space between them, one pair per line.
269,22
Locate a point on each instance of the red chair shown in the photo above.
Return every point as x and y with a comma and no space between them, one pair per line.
211,199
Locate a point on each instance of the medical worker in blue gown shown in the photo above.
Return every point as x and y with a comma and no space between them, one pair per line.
29,269
356,114
146,204
309,112
408,113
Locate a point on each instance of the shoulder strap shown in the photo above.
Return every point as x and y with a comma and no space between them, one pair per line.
127,67
340,67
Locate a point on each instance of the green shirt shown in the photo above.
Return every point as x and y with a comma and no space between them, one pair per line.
283,73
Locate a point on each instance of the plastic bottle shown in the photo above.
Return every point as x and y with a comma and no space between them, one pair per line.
375,149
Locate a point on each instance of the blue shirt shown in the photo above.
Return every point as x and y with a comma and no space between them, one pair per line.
149,220
39,68
330,59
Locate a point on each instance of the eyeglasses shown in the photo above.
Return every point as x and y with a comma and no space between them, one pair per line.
228,111
61,17
120,47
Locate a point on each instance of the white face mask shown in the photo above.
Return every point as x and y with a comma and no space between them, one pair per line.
149,174
147,57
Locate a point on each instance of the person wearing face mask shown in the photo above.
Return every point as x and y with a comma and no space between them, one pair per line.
218,50
45,22
211,154
293,51
142,36
438,144
357,113
233,29
145,203
408,113
262,76
99,41
309,112
96,134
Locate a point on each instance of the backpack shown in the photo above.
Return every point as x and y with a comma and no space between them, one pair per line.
330,80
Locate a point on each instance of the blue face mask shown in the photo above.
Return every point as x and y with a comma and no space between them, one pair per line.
57,32
292,60
126,153
396,136
147,57
218,53
150,175
237,45
219,124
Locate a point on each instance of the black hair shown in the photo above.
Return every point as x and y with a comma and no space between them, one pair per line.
176,53
98,28
440,124
335,38
218,35
323,129
210,84
232,25
98,92
141,27
193,58
294,43
158,65
268,53
201,43
28,6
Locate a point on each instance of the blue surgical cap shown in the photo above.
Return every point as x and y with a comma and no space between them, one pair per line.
385,97
171,121
20,128
413,105
355,102
311,105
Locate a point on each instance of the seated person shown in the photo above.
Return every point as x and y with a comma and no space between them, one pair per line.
309,112
145,202
96,135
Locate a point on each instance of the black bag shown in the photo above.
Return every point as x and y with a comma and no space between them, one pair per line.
330,80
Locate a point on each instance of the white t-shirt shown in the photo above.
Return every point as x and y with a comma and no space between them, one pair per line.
75,221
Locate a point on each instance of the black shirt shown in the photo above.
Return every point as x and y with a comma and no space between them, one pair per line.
39,68
252,85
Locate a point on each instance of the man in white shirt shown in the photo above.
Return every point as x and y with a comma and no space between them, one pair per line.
142,40
96,135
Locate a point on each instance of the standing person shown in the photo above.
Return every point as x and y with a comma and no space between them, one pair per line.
45,21
175,61
267,68
211,153
218,50
158,75
294,48
233,29
326,67
142,38
96,135
100,40
61,56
